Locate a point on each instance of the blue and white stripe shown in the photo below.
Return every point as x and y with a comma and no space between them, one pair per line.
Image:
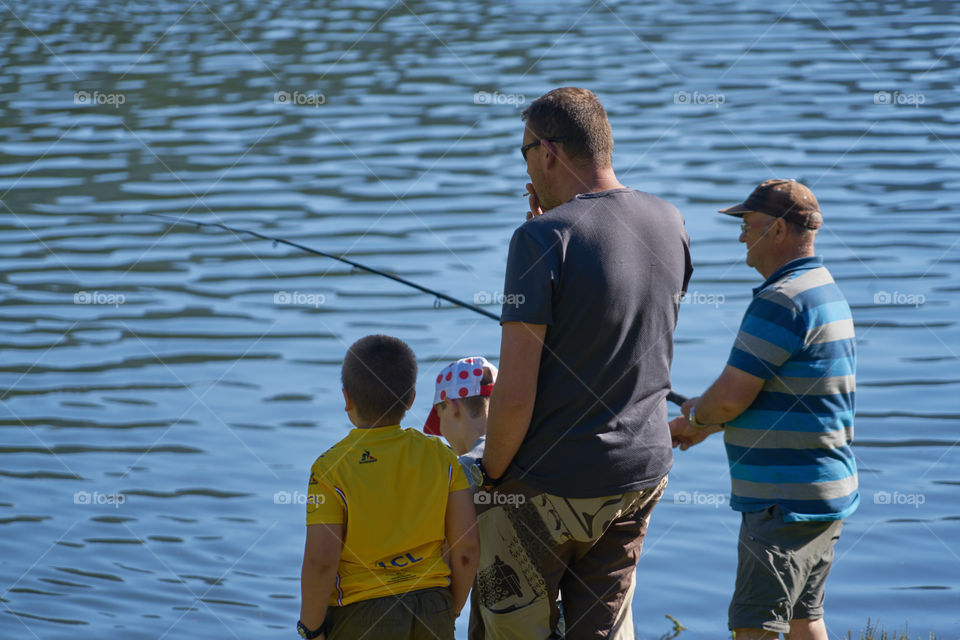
791,447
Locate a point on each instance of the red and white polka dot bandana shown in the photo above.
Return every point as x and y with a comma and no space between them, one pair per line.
460,379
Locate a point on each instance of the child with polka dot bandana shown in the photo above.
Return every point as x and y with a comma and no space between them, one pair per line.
460,402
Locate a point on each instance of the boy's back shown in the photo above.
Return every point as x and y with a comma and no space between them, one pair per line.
388,487
384,504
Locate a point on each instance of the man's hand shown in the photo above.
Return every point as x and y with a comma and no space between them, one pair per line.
686,435
687,406
534,202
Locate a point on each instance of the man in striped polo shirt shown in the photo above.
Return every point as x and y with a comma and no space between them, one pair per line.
785,403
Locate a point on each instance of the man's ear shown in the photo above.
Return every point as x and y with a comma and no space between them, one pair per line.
550,151
454,406
347,401
781,228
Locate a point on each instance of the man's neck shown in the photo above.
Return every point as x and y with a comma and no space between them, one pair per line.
784,259
590,180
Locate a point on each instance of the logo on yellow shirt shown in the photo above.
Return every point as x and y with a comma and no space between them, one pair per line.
400,561
367,457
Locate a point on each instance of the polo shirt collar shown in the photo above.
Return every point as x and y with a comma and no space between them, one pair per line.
800,264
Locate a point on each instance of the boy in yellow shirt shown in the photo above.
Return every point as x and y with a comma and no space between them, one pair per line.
381,504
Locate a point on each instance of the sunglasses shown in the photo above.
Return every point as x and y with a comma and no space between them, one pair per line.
531,145
746,226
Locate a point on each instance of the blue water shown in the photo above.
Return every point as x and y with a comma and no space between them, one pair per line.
145,435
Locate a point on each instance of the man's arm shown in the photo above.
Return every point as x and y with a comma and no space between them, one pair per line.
511,404
726,398
321,557
463,543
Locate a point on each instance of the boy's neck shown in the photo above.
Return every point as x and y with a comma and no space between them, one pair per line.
474,428
360,423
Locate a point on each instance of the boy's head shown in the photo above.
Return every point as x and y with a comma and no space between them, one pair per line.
461,399
379,379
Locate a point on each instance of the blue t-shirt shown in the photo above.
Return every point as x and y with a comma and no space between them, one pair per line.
469,462
791,447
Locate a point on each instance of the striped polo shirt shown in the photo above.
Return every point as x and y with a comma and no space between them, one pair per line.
791,447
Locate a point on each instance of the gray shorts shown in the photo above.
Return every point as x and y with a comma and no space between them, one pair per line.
425,614
782,569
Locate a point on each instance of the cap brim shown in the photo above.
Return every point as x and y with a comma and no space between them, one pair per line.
736,210
432,426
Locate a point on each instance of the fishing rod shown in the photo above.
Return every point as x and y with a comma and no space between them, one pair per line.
675,398
352,263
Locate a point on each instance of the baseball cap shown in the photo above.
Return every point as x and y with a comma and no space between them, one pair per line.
787,199
460,379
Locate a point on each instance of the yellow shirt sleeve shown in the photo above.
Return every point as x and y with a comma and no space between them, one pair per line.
323,502
457,478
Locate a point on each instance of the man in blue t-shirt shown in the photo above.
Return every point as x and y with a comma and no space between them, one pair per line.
785,403
578,447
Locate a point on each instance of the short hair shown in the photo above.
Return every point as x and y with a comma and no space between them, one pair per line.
804,234
380,375
577,115
476,405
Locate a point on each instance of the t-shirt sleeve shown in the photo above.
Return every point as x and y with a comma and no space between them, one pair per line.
770,333
456,479
528,284
323,502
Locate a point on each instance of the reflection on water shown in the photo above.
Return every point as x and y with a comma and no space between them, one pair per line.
162,400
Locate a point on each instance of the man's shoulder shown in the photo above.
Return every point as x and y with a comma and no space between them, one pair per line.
626,197
575,215
804,289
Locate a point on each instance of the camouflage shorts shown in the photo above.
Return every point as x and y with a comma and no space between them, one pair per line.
535,547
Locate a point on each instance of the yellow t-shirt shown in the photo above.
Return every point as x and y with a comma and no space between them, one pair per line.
388,486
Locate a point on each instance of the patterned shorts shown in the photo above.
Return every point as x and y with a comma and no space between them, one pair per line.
535,547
